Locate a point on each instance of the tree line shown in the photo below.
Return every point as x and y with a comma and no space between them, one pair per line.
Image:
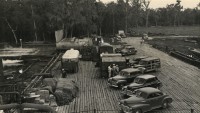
37,20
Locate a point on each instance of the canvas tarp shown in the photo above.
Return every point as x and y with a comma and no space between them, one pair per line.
59,35
66,91
50,82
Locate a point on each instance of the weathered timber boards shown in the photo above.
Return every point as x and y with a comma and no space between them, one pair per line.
94,91
180,81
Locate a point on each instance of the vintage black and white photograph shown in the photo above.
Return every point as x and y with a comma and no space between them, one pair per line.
99,56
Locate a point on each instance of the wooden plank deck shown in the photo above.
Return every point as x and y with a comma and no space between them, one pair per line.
180,80
94,92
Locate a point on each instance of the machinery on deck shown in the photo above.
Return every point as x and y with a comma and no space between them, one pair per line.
70,61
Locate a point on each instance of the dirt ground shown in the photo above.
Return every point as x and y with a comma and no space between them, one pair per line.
180,81
181,43
169,30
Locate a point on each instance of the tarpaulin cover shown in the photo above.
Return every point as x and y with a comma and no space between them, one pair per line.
66,91
59,35
50,82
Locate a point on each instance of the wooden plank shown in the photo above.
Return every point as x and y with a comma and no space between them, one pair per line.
180,81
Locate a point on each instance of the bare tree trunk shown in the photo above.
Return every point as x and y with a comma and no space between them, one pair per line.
126,18
13,31
156,22
65,30
136,18
35,28
100,30
175,20
88,34
113,22
178,19
44,39
136,22
146,4
147,18
71,32
126,27
34,24
66,33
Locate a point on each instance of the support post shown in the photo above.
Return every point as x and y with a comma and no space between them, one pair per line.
1,70
20,43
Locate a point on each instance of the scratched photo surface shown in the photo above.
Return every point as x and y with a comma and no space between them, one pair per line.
99,56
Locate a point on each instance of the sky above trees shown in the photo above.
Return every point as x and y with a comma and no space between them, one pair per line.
163,3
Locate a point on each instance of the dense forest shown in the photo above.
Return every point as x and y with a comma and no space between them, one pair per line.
37,20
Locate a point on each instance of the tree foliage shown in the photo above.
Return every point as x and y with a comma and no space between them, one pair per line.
24,19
